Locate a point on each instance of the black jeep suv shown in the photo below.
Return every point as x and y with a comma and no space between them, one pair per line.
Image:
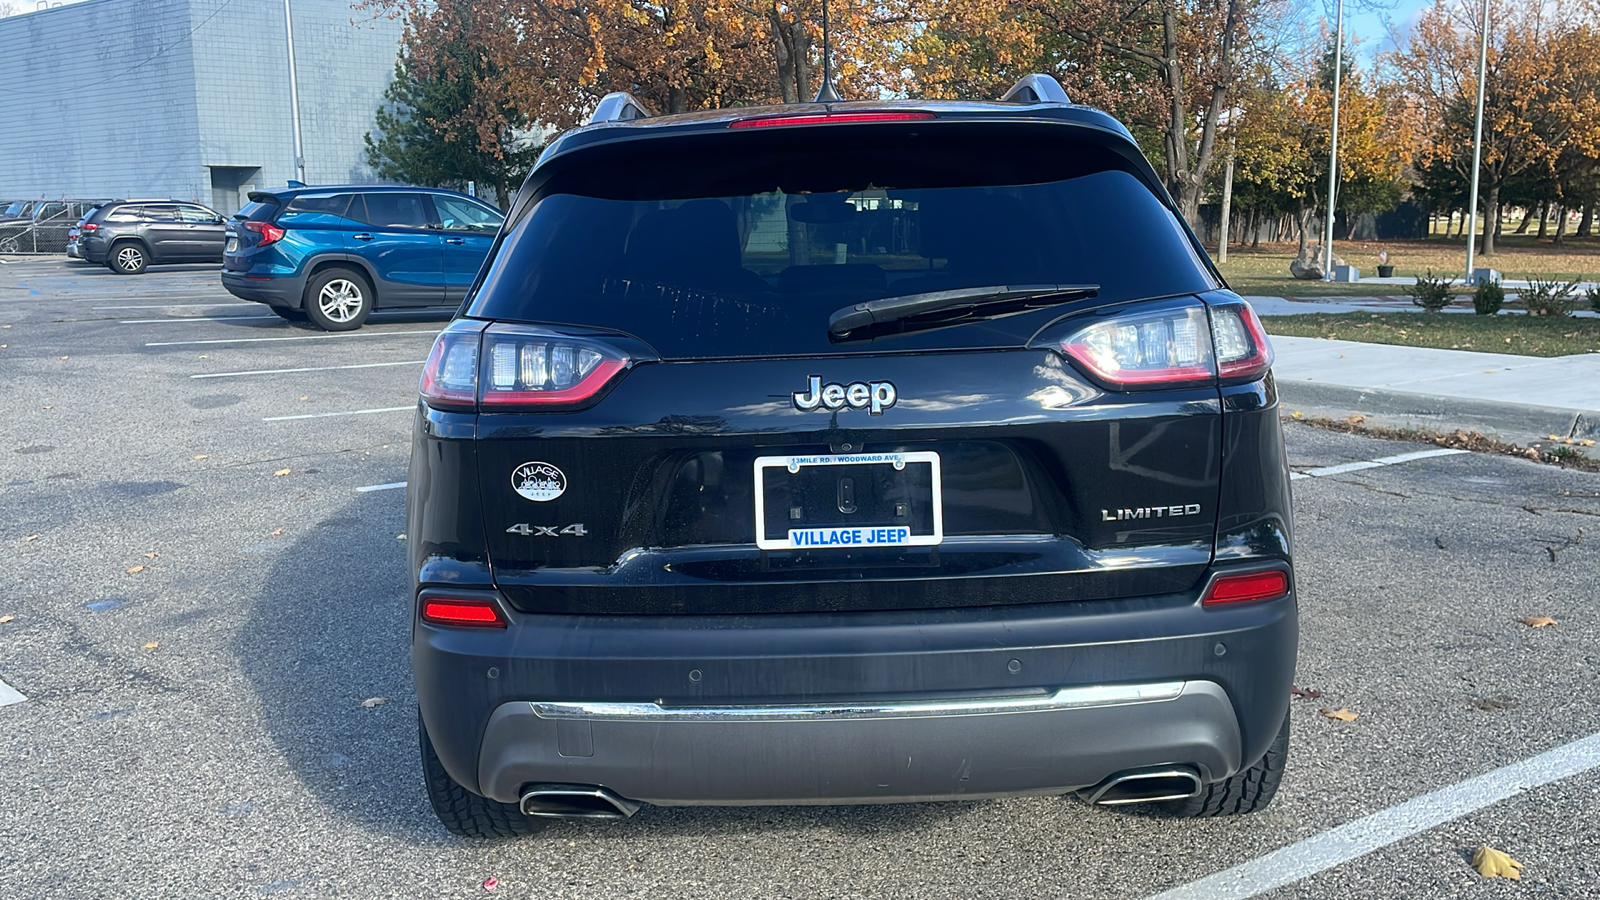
846,453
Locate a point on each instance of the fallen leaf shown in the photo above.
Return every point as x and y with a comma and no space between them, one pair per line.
47,407
371,702
204,356
1297,414
31,537
63,357
1492,863
202,456
5,619
1341,714
276,532
491,883
1586,442
1304,693
1356,419
281,472
1551,437
152,555
399,537
305,398
134,570
152,645
1539,621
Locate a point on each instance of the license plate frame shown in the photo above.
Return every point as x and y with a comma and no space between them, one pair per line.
865,536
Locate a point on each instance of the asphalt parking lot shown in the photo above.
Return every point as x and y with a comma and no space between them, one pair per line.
201,595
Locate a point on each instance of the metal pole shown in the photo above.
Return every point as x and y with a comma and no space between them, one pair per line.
294,97
1333,145
1227,201
1477,144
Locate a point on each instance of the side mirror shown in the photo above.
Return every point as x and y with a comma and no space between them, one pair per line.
220,220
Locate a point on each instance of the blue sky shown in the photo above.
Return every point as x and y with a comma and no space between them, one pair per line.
1366,20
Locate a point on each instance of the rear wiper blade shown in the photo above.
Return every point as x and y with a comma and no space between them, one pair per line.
861,319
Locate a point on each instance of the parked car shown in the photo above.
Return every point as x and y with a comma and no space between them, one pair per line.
334,254
129,235
75,234
870,451
41,226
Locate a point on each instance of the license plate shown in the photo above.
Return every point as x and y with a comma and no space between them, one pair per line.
858,501
233,245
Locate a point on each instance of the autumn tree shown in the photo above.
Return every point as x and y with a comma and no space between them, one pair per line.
449,119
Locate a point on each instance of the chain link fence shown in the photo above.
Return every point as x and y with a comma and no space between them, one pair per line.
43,226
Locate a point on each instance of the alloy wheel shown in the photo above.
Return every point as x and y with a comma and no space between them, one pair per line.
129,258
340,300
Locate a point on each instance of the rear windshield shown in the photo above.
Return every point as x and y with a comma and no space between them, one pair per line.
255,211
750,253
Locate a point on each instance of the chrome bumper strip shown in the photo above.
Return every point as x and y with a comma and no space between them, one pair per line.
1064,699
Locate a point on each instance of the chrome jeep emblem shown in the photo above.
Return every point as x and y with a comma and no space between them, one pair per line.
872,396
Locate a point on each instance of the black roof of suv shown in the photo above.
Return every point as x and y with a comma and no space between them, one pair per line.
848,452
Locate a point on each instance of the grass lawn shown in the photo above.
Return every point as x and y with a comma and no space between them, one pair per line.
1265,271
1521,335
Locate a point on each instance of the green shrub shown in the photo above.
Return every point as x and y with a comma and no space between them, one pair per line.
1549,298
1593,296
1430,293
1488,297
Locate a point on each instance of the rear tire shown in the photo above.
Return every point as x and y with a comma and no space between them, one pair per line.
1249,791
289,313
465,813
128,258
338,299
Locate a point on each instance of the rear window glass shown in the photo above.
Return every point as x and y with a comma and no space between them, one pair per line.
749,254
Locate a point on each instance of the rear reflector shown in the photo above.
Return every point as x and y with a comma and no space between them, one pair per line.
831,119
1245,588
475,612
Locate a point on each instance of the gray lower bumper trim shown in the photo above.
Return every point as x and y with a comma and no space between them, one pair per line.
934,749
1066,698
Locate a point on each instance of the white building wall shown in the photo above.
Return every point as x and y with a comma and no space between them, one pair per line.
186,98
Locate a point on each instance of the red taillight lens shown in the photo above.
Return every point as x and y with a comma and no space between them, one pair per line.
90,226
269,232
471,612
509,367
830,119
1246,588
1173,347
1167,347
1241,344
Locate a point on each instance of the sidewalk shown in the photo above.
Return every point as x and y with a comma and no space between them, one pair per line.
1518,398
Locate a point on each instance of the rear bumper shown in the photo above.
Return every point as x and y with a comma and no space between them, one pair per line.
878,753
271,290
790,709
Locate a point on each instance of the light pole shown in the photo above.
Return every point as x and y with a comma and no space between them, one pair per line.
294,97
1477,144
1333,144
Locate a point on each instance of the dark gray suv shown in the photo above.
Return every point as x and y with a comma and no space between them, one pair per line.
129,235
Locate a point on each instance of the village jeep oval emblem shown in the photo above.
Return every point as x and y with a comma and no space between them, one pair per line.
538,481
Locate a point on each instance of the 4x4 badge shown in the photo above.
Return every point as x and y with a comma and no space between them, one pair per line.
872,396
538,481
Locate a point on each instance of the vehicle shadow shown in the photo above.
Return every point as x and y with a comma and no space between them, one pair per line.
330,628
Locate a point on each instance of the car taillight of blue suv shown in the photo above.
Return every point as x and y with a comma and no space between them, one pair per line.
332,255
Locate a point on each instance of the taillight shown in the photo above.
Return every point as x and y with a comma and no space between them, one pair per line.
1246,588
269,232
511,367
1170,347
90,226
830,119
474,611
1241,345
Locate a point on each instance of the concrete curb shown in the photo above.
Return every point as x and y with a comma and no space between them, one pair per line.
1520,422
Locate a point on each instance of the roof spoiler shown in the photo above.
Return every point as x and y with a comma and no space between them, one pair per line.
618,106
1037,88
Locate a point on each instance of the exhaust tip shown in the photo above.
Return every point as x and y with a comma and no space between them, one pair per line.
1151,785
576,801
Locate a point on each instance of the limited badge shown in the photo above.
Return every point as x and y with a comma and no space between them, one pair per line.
538,481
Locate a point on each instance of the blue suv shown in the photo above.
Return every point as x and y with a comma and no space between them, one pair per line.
331,255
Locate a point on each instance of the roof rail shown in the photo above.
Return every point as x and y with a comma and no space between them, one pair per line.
618,106
1037,88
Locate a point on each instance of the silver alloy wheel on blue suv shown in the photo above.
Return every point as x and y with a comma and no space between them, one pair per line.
338,299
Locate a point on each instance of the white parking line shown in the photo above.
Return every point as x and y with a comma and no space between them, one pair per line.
9,695
1373,463
172,319
302,337
307,369
175,305
1364,835
354,412
380,487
